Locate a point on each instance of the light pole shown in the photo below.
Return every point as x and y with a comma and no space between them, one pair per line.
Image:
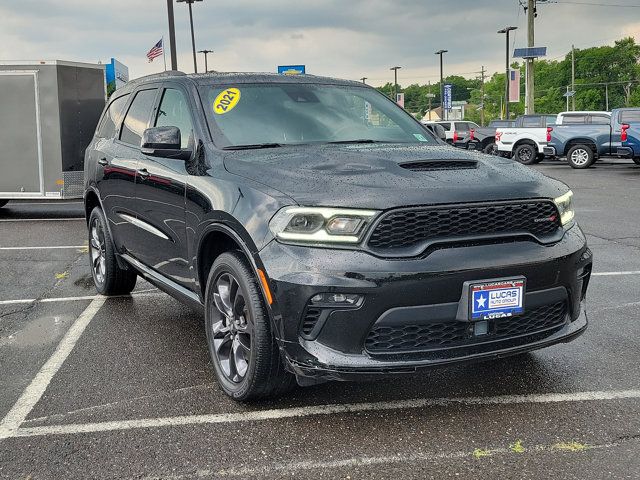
193,38
364,80
506,31
172,35
206,52
442,110
395,76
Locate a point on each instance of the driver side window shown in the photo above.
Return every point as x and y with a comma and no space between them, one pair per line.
174,111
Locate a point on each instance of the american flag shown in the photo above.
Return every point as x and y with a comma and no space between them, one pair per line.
156,51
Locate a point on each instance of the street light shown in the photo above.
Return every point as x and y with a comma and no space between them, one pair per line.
442,110
395,76
206,52
193,38
506,31
364,80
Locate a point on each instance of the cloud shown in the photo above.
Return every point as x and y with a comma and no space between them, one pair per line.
340,38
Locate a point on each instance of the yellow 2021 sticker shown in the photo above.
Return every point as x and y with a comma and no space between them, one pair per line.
226,100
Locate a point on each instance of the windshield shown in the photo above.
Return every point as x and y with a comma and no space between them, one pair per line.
294,113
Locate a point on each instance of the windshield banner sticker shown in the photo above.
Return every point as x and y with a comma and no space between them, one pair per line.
226,101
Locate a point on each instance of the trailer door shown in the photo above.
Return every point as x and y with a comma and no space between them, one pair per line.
20,154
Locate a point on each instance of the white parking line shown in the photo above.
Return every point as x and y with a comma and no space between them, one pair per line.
138,293
278,414
291,468
39,384
41,219
57,247
611,274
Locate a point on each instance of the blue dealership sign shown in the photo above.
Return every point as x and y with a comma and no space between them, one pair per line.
291,69
447,96
117,74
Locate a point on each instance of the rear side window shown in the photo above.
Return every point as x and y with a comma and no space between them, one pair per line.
600,120
445,125
174,111
532,122
580,119
137,117
112,117
630,116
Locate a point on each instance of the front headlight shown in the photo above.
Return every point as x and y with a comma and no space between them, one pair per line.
320,225
563,202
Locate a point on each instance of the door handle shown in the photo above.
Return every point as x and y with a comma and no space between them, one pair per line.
143,172
103,161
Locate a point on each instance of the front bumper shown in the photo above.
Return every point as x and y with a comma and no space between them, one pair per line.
416,293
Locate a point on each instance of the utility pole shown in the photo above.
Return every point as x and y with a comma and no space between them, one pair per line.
482,77
606,96
506,31
395,76
442,109
364,80
573,77
529,71
429,96
172,35
193,38
206,52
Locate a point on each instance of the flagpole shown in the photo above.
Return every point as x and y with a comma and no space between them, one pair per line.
164,54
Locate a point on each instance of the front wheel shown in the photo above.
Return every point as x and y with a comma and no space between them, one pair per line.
526,154
580,156
245,355
108,276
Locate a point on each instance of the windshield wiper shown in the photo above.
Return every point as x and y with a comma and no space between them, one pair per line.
362,140
252,146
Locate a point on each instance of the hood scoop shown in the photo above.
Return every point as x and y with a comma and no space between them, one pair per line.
436,165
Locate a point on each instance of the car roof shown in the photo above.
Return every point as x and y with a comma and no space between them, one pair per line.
586,112
226,78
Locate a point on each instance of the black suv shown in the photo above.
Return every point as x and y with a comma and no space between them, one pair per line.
325,233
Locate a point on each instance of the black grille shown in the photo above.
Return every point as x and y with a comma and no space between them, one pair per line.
408,228
394,339
429,166
311,317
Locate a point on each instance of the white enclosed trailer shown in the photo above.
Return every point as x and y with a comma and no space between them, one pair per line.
48,114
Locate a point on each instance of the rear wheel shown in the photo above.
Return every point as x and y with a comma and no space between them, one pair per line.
490,149
3,203
526,154
245,355
580,156
108,276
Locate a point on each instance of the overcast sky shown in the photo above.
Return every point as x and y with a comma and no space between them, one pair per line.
342,38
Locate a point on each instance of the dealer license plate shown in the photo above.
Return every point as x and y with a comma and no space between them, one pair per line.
496,299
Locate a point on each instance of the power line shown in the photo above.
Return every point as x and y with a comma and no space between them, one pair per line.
595,4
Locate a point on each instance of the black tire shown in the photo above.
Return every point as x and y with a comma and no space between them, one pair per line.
3,203
257,371
526,154
580,156
636,160
108,277
490,149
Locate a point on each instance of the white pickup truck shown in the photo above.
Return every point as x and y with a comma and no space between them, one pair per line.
526,140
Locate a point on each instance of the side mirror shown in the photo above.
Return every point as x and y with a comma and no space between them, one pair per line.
164,142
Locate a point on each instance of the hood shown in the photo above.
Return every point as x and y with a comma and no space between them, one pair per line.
372,176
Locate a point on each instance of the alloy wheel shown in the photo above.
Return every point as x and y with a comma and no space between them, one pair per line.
97,248
525,155
231,328
579,157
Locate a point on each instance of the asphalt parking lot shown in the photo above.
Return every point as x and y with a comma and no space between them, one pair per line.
122,387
